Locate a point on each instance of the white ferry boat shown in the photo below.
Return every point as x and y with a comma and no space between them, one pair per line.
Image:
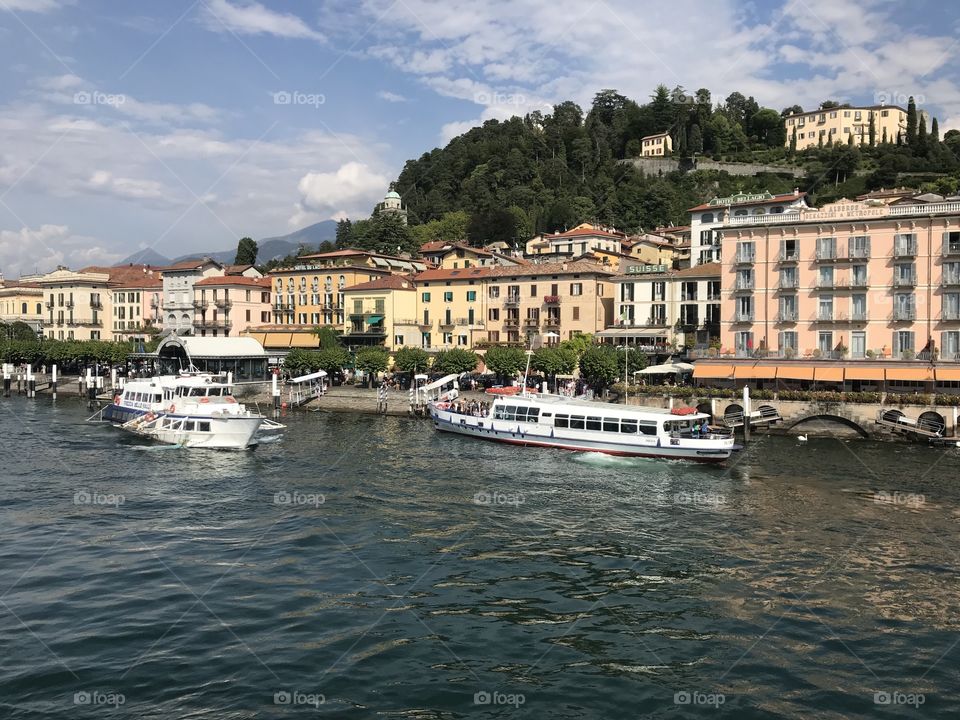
191,410
575,424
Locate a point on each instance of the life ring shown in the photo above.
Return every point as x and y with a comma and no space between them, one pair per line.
149,417
204,399
684,411
230,399
116,399
172,408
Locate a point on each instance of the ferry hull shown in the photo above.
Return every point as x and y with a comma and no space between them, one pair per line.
225,433
515,434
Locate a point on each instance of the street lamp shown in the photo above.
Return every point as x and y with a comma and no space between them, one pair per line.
626,370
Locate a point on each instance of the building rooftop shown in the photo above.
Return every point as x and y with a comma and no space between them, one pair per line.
704,270
234,281
388,282
189,264
748,199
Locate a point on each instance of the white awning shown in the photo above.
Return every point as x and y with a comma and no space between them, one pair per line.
307,378
381,262
630,332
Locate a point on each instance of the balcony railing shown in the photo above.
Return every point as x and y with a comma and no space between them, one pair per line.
744,258
951,248
950,314
788,256
551,299
447,323
904,314
406,321
511,300
859,316
825,316
859,281
70,304
787,316
657,322
905,281
743,284
511,321
96,305
858,253
743,316
551,321
467,322
827,254
950,280
531,322
225,304
904,249
688,297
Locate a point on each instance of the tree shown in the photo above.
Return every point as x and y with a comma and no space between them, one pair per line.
768,128
792,110
329,338
553,361
695,142
579,344
300,362
246,252
923,147
455,361
344,233
829,105
599,366
911,122
411,360
872,131
505,361
492,226
372,360
935,132
332,359
19,330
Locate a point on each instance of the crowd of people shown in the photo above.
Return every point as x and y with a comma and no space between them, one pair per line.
476,408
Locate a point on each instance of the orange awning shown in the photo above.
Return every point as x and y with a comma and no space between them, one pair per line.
706,370
948,374
277,340
828,374
794,372
755,372
258,336
917,374
304,340
856,372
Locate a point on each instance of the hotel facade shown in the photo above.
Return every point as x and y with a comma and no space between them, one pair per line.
849,280
837,125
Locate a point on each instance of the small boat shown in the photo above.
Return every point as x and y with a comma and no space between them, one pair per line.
190,410
579,424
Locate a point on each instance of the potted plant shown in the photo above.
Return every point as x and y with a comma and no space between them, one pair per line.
871,354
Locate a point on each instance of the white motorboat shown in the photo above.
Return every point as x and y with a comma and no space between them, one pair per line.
577,424
190,410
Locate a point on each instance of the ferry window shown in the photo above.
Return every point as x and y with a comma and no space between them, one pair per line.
546,415
561,421
594,423
628,426
648,427
533,414
611,425
576,422
204,427
157,398
510,412
189,425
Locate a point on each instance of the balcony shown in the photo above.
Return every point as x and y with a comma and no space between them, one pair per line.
951,248
859,281
905,281
858,253
788,284
87,323
223,304
70,304
788,256
49,303
96,305
744,258
787,316
743,316
690,297
511,321
950,280
511,300
406,322
858,316
657,322
904,249
551,321
448,323
425,325
904,314
950,315
743,285
551,299
831,316
531,322
827,254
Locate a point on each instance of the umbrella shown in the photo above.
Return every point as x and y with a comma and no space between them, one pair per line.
660,370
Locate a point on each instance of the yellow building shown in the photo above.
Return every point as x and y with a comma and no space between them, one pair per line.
453,256
78,304
836,125
657,145
136,292
382,312
651,249
21,302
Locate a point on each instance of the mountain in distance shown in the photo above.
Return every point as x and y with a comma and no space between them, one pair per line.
268,249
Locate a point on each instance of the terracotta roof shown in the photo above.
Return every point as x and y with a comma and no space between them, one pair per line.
236,269
457,274
390,282
234,280
18,284
189,264
711,270
129,276
585,232
338,253
576,267
333,269
770,201
433,246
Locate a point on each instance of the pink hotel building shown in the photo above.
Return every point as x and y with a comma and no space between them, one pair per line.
849,280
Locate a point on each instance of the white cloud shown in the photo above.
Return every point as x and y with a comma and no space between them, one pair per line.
29,250
254,19
351,190
391,96
37,6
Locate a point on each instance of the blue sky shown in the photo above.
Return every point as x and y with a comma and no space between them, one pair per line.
186,124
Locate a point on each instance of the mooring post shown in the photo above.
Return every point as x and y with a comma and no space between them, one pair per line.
275,391
53,381
113,380
746,413
91,388
31,382
6,380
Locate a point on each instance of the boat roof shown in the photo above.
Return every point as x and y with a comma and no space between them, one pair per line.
577,402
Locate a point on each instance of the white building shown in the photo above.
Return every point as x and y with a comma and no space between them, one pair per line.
178,299
707,219
392,204
661,306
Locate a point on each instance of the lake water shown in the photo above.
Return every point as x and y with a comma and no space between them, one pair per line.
361,567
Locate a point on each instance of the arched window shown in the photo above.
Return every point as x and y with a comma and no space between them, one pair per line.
316,283
740,213
279,285
760,211
39,308
23,309
706,218
343,282
776,209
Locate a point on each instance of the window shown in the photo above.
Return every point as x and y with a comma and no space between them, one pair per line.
826,248
533,291
594,423
448,296
825,341
950,345
493,314
745,252
826,307
787,341
611,425
706,218
493,292
904,306
577,422
561,420
647,427
576,288
859,246
471,295
903,343
425,297
576,313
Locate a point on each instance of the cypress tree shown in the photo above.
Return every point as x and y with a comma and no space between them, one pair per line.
872,130
695,143
884,139
922,145
793,142
911,121
934,131
850,139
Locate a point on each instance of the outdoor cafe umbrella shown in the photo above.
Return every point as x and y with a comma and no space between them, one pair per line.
671,369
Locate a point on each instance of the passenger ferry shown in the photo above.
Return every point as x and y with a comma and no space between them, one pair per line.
575,424
191,410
